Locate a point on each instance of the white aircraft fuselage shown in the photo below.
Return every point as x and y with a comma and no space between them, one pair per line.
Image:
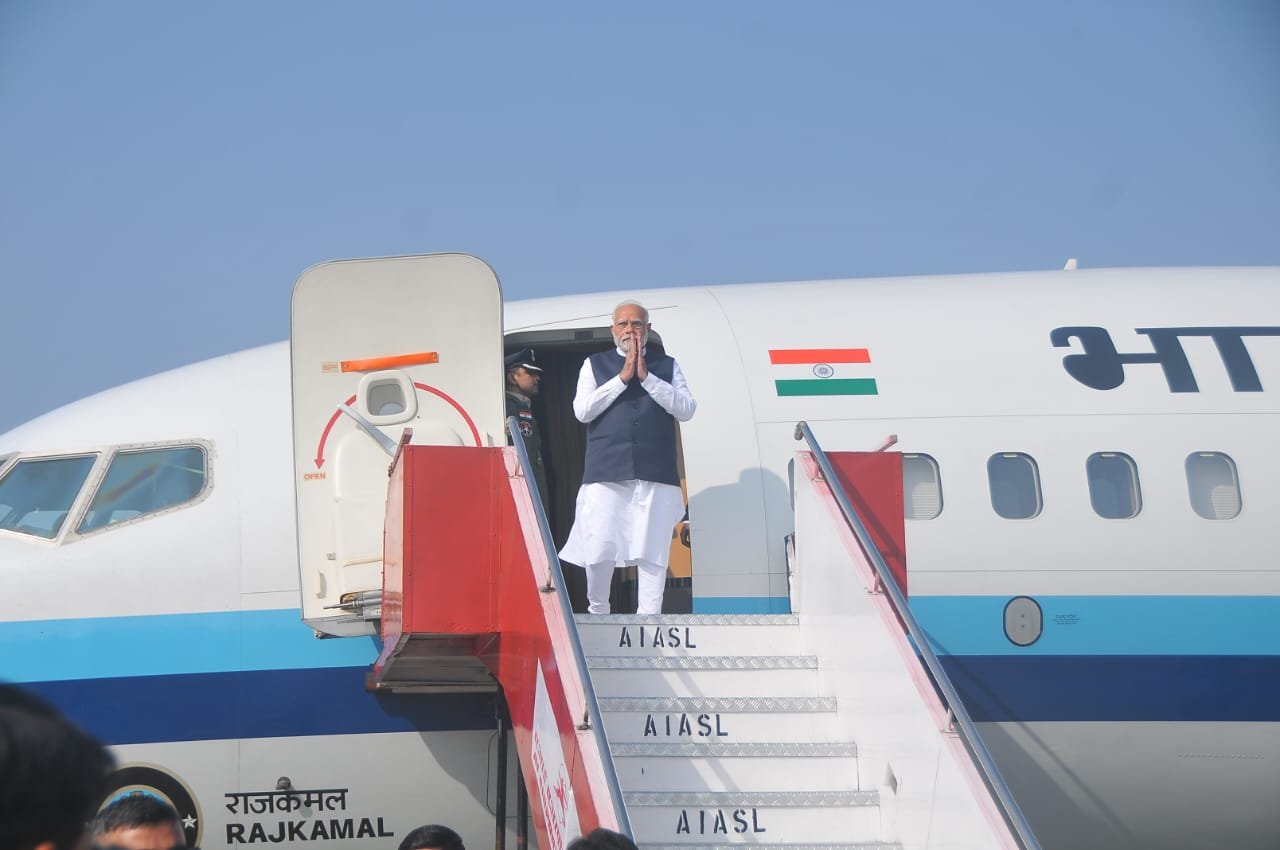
1103,456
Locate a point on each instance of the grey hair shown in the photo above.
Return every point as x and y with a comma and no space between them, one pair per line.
630,303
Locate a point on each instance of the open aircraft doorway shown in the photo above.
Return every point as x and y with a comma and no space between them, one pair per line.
560,354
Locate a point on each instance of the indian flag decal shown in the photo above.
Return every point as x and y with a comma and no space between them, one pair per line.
823,363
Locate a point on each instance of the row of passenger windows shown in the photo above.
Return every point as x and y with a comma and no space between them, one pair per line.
1114,490
37,494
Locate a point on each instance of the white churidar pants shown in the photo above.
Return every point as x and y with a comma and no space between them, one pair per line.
651,580
624,522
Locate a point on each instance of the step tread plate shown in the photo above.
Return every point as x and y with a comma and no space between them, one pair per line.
702,662
758,799
744,749
689,619
723,705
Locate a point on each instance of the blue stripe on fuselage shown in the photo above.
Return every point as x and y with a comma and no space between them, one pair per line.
166,644
256,704
1143,688
288,703
1113,658
1107,625
741,605
262,673
219,675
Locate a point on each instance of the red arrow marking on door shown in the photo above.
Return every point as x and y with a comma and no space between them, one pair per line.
325,434
333,420
475,432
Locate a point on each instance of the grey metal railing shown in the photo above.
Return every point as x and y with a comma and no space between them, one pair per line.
555,583
959,714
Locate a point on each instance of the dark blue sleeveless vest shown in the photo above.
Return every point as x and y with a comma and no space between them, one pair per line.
634,437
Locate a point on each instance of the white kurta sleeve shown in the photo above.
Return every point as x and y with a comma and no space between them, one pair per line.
590,400
674,397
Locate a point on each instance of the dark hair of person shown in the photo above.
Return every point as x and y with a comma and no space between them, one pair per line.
52,774
602,839
134,810
433,836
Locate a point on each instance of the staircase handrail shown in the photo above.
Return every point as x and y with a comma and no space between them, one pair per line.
960,715
555,578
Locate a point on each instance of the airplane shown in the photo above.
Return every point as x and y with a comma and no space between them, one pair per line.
1088,473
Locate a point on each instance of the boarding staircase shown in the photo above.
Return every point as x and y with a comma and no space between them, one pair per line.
832,728
720,736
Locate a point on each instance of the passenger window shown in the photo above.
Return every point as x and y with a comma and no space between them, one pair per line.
1015,485
1213,485
1113,485
921,487
145,482
36,493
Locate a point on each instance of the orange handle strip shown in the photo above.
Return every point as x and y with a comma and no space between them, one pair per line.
369,364
819,355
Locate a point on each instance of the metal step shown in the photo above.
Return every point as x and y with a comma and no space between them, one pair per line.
714,721
750,818
729,719
690,634
725,767
716,675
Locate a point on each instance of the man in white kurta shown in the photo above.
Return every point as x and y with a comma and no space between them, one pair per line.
630,498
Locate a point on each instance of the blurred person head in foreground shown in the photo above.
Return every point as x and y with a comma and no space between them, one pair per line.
433,836
602,839
52,774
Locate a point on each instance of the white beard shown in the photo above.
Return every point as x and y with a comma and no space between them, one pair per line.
625,342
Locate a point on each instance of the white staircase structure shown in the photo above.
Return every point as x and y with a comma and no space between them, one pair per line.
822,729
832,728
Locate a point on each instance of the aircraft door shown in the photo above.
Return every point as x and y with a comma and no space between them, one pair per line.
379,346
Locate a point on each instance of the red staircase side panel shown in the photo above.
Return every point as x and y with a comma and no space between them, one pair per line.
873,481
393,563
463,556
534,635
450,539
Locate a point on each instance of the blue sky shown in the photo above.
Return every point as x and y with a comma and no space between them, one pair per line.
167,169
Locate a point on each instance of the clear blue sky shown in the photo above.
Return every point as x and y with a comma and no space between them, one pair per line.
167,169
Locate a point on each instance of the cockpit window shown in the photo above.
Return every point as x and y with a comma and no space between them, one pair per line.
35,494
145,482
